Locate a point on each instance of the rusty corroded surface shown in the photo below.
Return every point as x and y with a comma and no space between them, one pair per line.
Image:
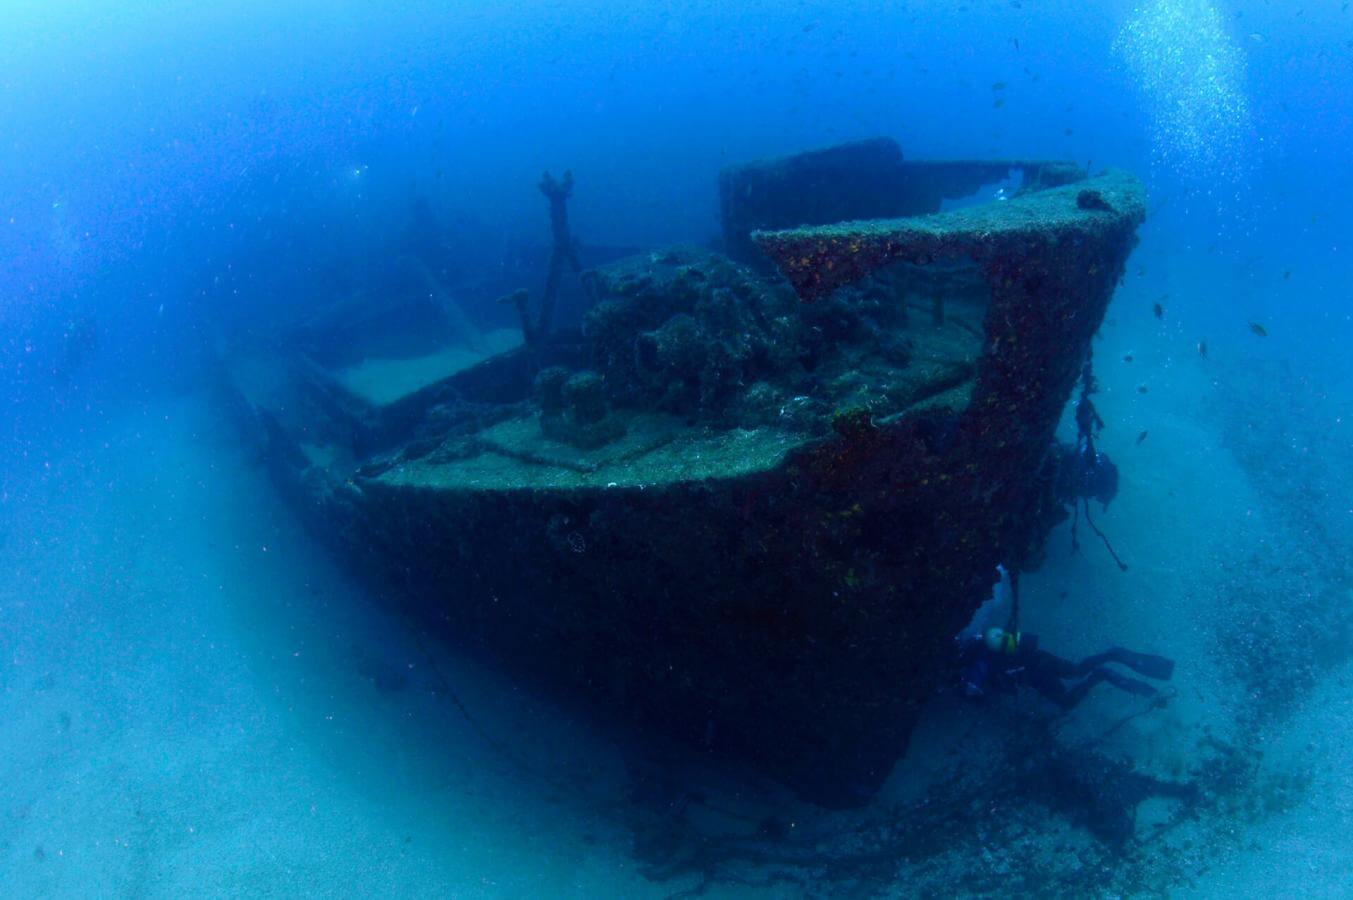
782,598
819,259
866,179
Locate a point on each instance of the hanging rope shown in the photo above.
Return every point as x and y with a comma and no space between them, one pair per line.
1012,624
1088,423
1122,566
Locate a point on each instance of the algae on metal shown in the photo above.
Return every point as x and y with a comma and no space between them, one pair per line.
802,502
657,449
866,179
818,259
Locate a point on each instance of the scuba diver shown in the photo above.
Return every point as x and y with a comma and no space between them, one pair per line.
1083,473
1000,661
996,659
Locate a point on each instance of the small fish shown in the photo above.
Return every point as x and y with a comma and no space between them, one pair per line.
1141,389
998,102
1141,437
1202,349
998,85
1287,273
1158,310
1258,329
1127,358
1256,37
1015,41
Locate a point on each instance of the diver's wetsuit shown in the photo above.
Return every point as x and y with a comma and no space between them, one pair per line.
988,671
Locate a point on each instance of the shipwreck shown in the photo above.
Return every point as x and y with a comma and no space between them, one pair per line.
748,500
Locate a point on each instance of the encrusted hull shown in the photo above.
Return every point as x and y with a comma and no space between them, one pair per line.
795,613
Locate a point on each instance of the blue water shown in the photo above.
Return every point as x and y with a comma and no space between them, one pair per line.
187,703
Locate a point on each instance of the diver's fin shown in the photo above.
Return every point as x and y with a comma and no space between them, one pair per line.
1147,664
1131,685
